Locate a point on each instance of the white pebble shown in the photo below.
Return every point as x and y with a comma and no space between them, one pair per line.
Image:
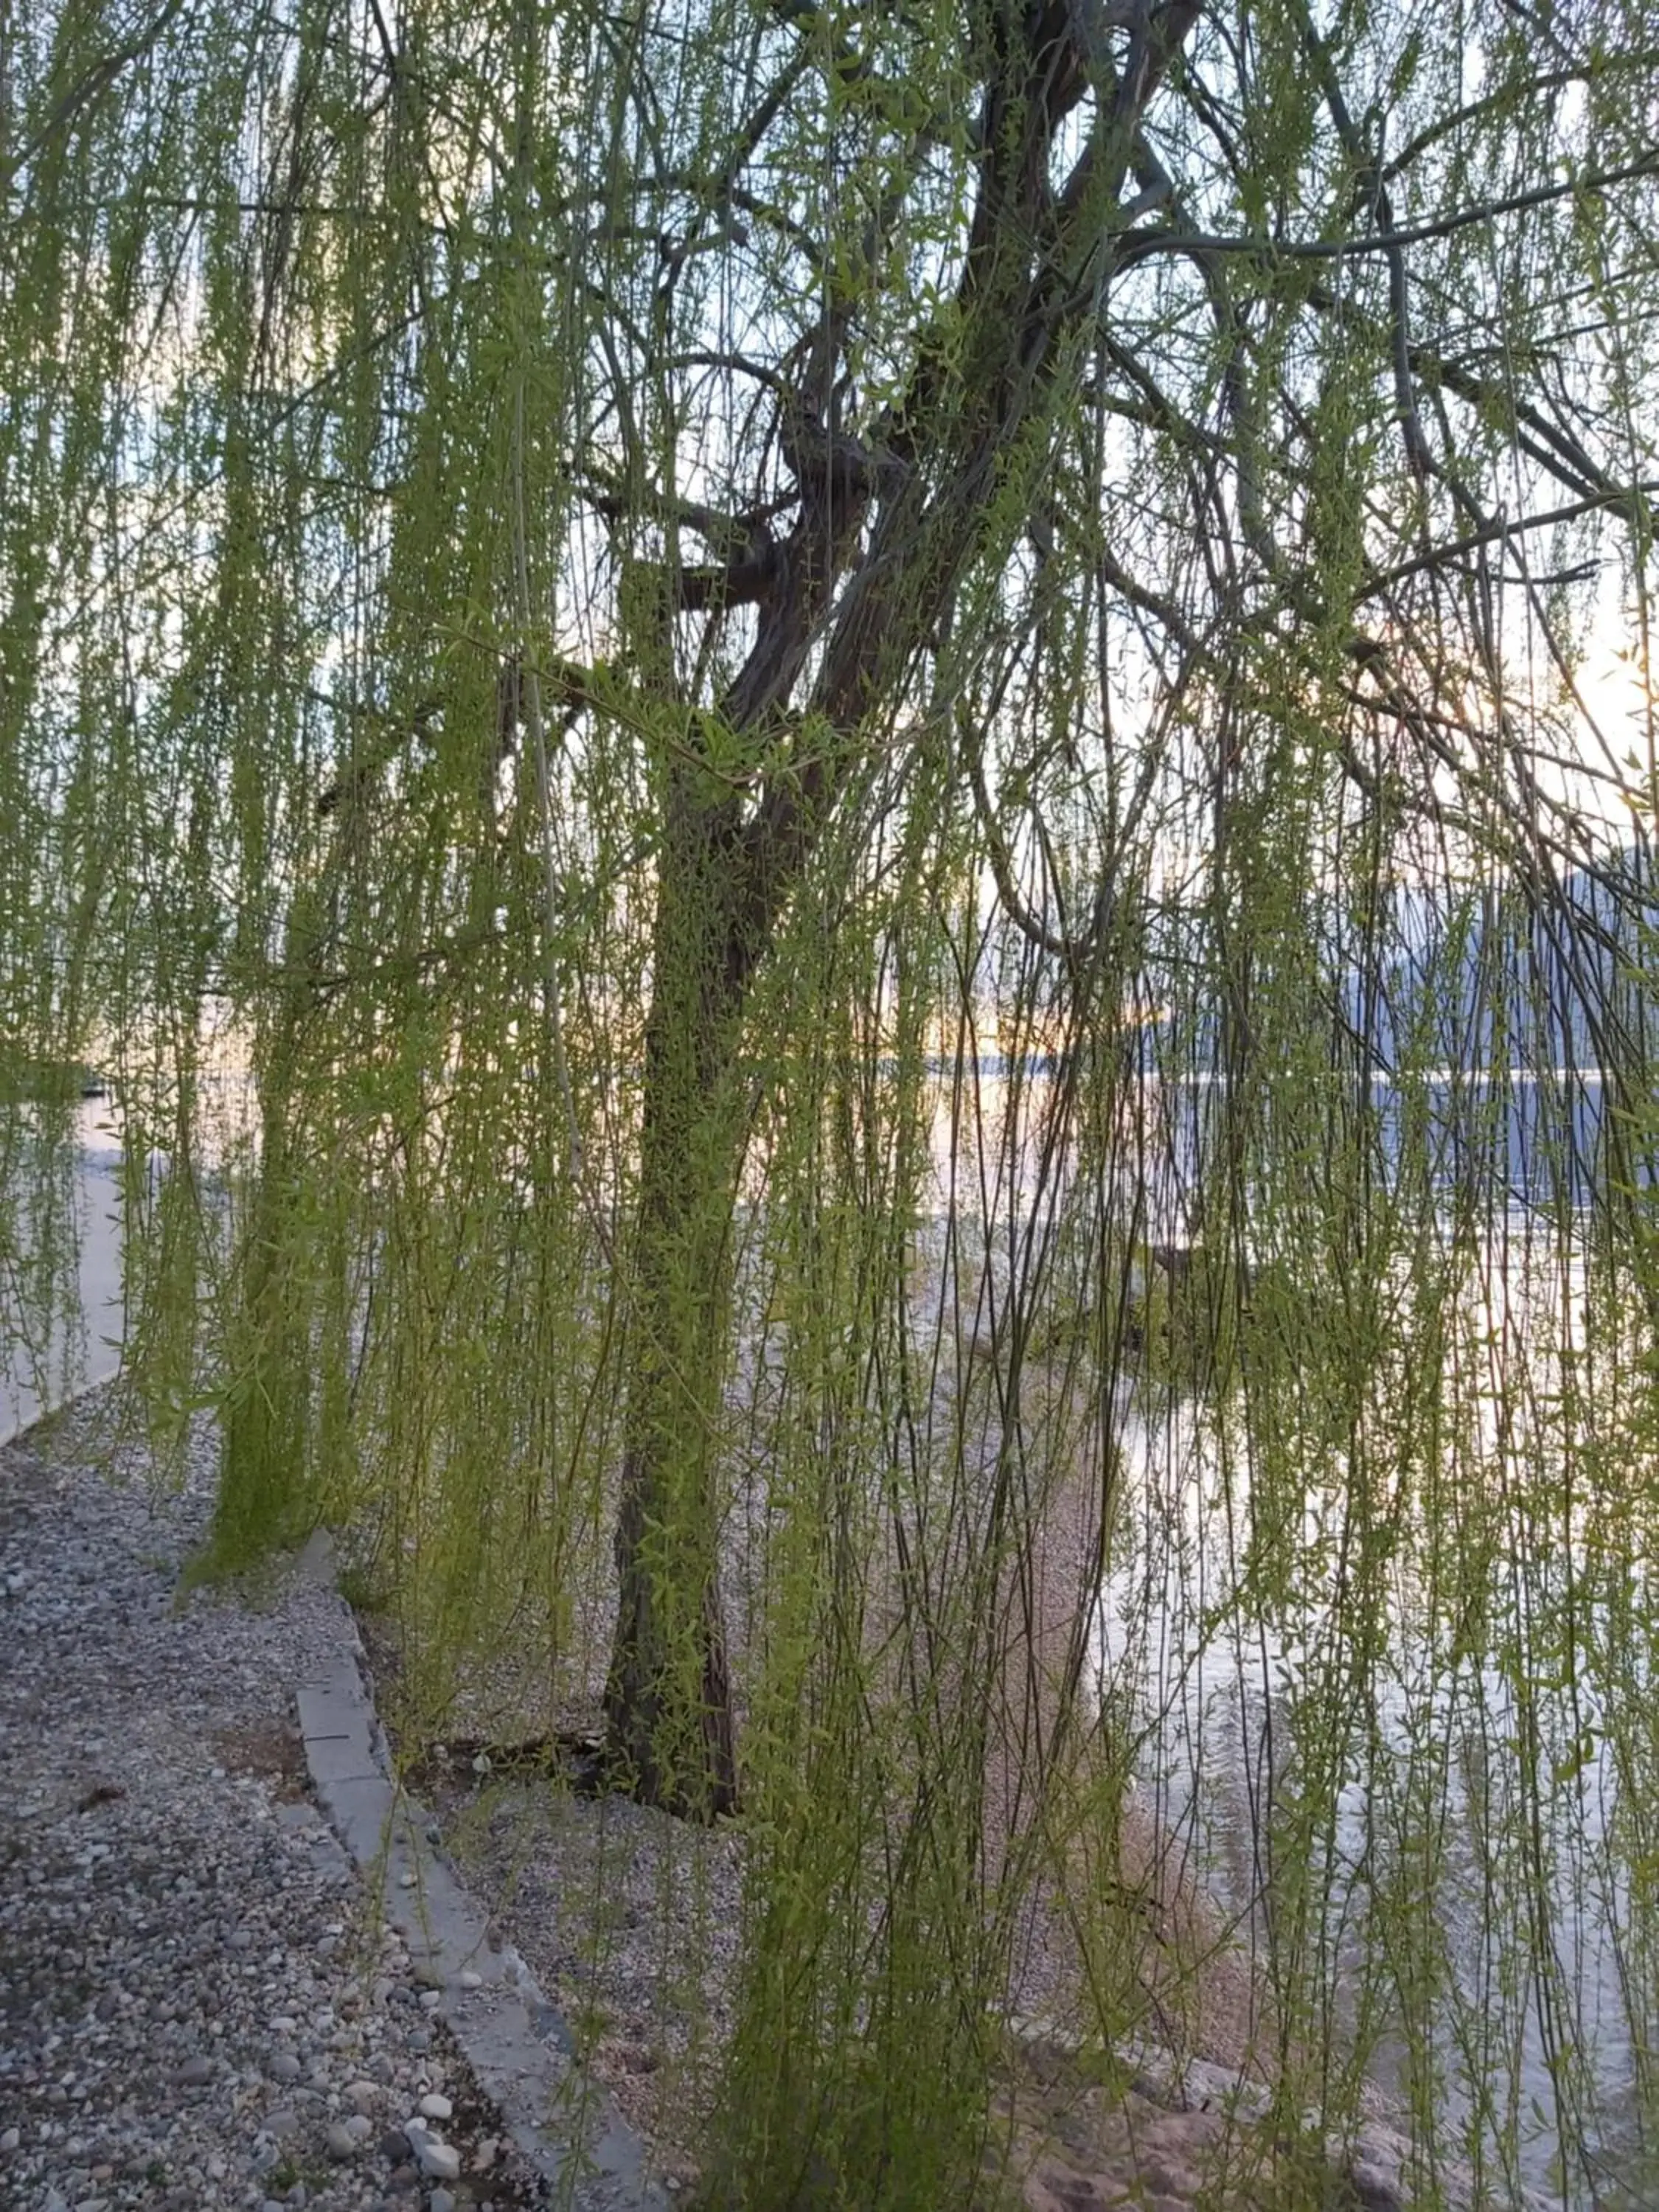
435,2107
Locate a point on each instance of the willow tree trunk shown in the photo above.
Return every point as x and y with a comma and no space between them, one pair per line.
943,482
668,1698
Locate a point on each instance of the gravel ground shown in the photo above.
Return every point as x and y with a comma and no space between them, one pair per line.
200,2003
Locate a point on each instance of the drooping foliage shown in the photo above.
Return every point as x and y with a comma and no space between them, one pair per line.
856,805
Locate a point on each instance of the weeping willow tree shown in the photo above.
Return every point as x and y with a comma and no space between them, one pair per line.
788,754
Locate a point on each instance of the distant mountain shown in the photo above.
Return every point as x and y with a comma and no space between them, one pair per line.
1515,1033
1513,979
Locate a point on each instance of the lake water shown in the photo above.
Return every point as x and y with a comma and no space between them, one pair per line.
46,1357
1463,1813
1431,1845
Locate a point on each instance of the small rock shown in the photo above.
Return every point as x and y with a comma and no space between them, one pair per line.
1374,2186
440,2201
340,2143
10,2139
284,2067
435,2107
194,2074
470,1980
362,2094
360,2127
284,2121
437,2160
395,2145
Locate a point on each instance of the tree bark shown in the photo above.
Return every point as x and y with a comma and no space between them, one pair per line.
667,1699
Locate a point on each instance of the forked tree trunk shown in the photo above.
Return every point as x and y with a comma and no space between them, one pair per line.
938,496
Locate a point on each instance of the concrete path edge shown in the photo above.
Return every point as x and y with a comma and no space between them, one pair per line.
515,2039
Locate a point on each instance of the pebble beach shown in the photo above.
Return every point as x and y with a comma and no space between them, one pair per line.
201,2004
